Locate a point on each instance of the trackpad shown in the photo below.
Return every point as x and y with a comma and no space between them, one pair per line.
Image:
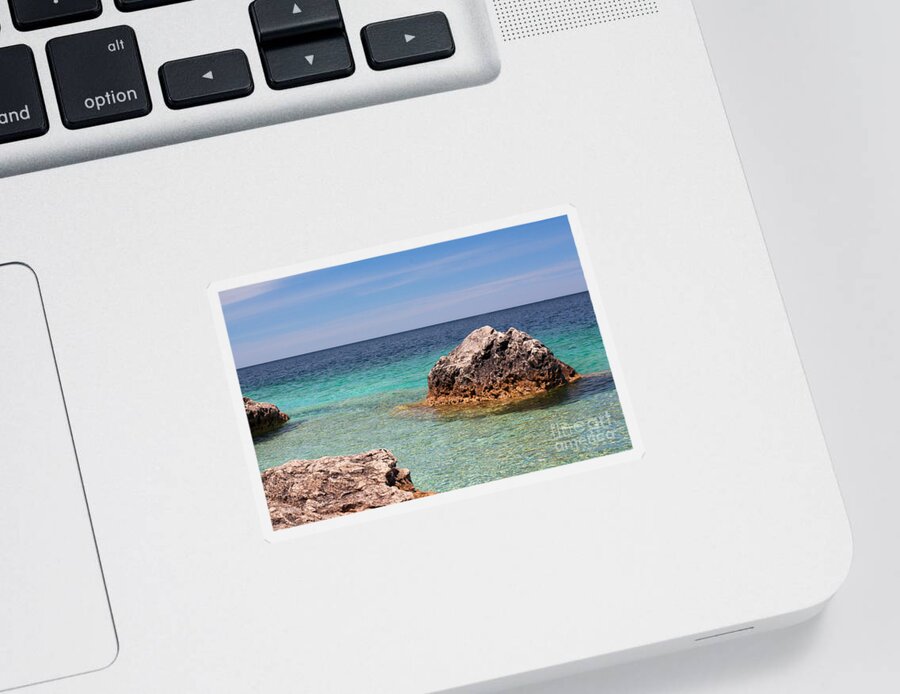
55,619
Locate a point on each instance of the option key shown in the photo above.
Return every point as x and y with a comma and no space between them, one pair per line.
99,77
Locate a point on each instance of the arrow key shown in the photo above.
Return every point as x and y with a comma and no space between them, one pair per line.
274,20
408,40
206,79
297,64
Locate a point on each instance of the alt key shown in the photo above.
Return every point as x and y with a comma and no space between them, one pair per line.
99,77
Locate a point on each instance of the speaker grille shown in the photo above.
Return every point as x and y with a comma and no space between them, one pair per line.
521,19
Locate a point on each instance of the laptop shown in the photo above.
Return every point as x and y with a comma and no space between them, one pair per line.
386,347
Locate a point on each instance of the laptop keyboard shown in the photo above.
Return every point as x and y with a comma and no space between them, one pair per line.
106,75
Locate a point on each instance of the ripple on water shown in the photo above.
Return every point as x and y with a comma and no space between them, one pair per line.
359,397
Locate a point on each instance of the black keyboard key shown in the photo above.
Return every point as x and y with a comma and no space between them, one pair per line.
206,79
131,5
99,77
37,14
297,64
284,19
408,40
22,111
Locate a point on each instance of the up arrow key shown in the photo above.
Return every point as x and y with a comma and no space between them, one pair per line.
288,21
408,37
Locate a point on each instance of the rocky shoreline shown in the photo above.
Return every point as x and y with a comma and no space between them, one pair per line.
304,491
489,365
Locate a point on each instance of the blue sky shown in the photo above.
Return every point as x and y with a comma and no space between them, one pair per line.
402,291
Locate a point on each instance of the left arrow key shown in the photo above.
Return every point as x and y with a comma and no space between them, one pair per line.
206,79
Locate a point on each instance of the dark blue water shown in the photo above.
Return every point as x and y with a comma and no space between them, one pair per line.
361,396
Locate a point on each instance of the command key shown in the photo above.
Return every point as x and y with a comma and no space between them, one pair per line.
22,111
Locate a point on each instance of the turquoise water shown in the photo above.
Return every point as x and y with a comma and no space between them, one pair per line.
357,397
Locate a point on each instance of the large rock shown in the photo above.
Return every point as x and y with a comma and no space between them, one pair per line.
263,417
303,491
489,365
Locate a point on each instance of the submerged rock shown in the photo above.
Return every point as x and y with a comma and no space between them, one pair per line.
263,417
303,491
489,365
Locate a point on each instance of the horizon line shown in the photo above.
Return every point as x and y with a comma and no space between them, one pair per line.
402,332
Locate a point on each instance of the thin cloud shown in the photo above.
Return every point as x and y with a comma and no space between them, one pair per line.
370,324
252,291
402,291
297,299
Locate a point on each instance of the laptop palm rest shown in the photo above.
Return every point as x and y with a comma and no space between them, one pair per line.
55,618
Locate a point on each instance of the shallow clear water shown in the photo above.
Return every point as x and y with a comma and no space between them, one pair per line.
357,397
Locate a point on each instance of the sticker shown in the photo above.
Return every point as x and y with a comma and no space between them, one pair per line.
417,374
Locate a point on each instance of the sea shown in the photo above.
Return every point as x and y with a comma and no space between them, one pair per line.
367,395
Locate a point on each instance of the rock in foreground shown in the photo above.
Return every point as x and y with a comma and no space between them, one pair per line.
263,417
489,365
303,491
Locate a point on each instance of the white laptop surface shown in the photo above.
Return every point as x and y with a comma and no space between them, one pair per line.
471,364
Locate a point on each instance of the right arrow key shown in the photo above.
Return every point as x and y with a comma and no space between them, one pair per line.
408,40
